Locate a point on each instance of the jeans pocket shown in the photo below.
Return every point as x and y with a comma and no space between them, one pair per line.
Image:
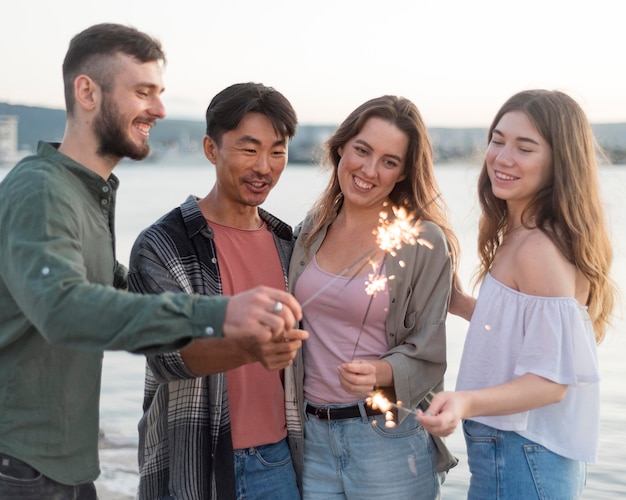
410,426
555,476
13,469
479,433
273,455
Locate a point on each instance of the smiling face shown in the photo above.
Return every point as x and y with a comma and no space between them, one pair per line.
519,160
372,163
248,162
129,109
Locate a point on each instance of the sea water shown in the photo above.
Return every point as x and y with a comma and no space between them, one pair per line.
148,190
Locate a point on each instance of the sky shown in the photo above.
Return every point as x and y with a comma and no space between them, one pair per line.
457,60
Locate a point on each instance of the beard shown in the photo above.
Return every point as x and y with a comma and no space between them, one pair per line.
110,133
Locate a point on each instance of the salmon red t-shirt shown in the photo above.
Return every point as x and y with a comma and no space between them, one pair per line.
246,259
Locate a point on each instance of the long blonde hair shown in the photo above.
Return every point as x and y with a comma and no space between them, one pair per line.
568,209
418,192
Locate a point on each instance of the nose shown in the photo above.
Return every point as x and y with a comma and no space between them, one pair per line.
157,109
369,167
504,156
262,164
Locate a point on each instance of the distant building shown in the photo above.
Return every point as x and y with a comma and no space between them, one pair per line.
9,152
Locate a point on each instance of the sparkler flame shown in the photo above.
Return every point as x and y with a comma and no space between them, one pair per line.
375,283
379,402
402,230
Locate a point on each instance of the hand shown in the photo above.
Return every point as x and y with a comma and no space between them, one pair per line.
444,413
357,377
251,313
279,352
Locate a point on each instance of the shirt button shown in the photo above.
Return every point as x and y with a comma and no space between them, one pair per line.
209,330
105,189
104,202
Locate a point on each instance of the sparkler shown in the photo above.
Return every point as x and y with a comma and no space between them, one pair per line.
379,402
390,236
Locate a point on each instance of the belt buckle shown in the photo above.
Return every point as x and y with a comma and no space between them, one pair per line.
322,413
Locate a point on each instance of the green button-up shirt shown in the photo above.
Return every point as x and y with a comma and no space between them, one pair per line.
60,309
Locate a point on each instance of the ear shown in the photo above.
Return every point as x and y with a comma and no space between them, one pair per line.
210,149
86,93
340,151
401,178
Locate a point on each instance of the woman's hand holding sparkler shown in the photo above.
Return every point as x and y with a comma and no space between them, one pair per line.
444,413
359,377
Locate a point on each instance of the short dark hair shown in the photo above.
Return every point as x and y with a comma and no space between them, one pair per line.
228,108
90,51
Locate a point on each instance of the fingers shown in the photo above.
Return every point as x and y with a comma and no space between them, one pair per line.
357,377
441,425
278,354
263,312
288,305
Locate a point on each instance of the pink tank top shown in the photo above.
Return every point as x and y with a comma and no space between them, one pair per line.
343,320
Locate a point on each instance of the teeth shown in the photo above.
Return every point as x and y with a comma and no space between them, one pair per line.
504,177
362,184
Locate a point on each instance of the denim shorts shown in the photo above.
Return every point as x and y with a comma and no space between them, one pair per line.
265,472
506,466
361,458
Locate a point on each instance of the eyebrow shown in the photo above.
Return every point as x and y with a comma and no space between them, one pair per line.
254,140
520,138
361,141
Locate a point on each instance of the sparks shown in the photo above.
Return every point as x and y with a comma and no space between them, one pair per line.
402,230
379,402
375,283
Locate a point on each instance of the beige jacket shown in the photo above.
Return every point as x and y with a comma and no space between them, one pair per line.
416,332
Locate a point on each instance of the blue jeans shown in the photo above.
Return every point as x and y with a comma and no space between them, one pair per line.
266,472
359,458
507,466
19,481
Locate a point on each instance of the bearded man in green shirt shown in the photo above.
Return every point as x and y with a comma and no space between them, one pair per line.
62,291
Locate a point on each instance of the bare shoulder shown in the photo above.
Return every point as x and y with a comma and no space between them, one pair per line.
541,269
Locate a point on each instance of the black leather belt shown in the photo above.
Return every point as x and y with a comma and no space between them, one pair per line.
324,413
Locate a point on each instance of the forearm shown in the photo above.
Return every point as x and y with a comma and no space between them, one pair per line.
462,305
520,394
206,357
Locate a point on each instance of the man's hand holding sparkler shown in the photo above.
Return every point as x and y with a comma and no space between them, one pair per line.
359,377
276,353
262,312
260,325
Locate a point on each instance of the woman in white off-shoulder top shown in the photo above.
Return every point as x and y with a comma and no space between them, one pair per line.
527,389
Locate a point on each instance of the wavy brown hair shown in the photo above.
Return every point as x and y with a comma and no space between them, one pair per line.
568,209
418,192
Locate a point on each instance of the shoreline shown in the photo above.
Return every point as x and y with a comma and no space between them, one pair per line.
119,475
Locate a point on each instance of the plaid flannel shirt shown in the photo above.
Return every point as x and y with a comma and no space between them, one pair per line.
185,446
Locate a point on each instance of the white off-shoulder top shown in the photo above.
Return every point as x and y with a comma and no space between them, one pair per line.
511,334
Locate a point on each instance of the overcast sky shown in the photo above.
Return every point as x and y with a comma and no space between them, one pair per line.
458,60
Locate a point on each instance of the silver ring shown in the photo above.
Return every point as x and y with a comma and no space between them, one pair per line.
278,306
